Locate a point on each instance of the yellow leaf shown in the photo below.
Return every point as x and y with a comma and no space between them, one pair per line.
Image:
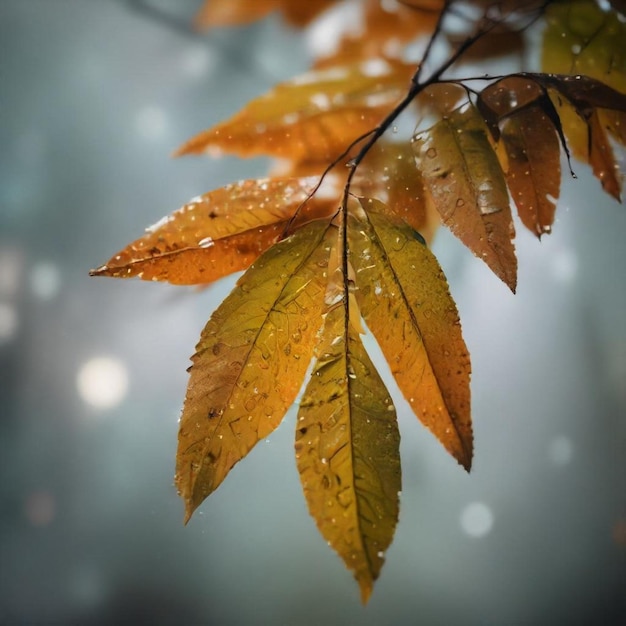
404,299
467,186
251,360
311,117
347,451
582,38
218,233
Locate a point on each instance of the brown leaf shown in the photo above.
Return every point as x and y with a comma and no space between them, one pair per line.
586,94
218,233
404,299
347,451
312,117
503,97
251,360
467,186
534,172
615,124
602,159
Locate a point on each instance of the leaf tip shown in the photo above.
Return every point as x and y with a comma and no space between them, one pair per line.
466,463
98,271
189,510
366,590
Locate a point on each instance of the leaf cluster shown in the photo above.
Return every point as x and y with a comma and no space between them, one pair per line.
337,239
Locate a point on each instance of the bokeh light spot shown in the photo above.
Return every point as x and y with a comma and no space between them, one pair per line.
45,280
197,62
102,382
561,451
476,519
564,266
151,123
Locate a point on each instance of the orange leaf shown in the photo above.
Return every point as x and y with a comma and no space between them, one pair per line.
251,360
404,299
387,28
468,188
602,159
311,117
232,12
218,233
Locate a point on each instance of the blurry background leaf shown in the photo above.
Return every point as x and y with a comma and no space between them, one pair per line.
311,117
232,12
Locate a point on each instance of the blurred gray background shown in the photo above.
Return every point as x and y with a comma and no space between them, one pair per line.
94,96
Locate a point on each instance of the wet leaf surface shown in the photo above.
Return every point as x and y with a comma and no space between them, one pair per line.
404,299
218,233
251,360
534,167
312,117
348,451
468,189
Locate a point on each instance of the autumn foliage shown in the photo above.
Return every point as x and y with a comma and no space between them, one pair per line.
336,239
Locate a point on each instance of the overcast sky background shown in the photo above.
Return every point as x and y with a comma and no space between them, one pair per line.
94,96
